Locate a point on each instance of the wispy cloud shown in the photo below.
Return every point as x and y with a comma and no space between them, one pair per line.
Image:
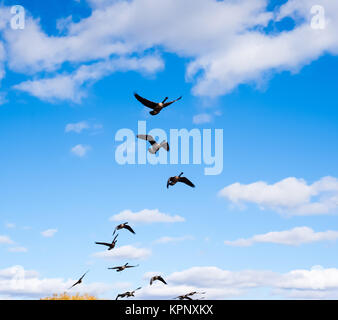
49,233
167,239
124,252
146,216
80,150
293,237
5,240
202,118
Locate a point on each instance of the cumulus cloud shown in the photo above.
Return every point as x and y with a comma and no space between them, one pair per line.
72,86
293,237
232,46
18,283
49,233
146,216
124,252
290,195
80,150
313,283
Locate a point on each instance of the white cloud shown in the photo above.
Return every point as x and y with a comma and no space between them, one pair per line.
290,195
124,252
314,283
72,86
18,283
77,127
80,150
5,240
202,118
174,239
49,233
293,237
146,216
230,48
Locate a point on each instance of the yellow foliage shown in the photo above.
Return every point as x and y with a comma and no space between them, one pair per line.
65,296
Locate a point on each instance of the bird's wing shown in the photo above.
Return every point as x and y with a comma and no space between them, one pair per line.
151,280
168,182
115,238
147,137
145,102
103,243
186,181
77,282
113,268
83,275
132,266
129,228
170,102
165,145
138,288
161,279
115,230
188,298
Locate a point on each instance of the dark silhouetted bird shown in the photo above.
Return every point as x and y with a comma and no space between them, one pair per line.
109,245
159,278
78,281
187,296
127,294
124,226
156,106
121,268
154,145
173,180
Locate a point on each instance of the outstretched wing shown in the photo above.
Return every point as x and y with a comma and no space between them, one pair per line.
113,268
170,102
77,282
129,228
103,243
132,266
168,182
83,275
145,102
186,181
161,279
165,145
147,137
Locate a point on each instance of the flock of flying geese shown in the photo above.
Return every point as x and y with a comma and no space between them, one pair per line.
155,146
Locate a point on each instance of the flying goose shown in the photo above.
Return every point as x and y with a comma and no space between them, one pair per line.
78,281
156,106
173,180
123,226
187,296
154,278
154,145
127,294
121,268
109,245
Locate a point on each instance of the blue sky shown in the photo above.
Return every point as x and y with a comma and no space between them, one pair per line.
276,103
